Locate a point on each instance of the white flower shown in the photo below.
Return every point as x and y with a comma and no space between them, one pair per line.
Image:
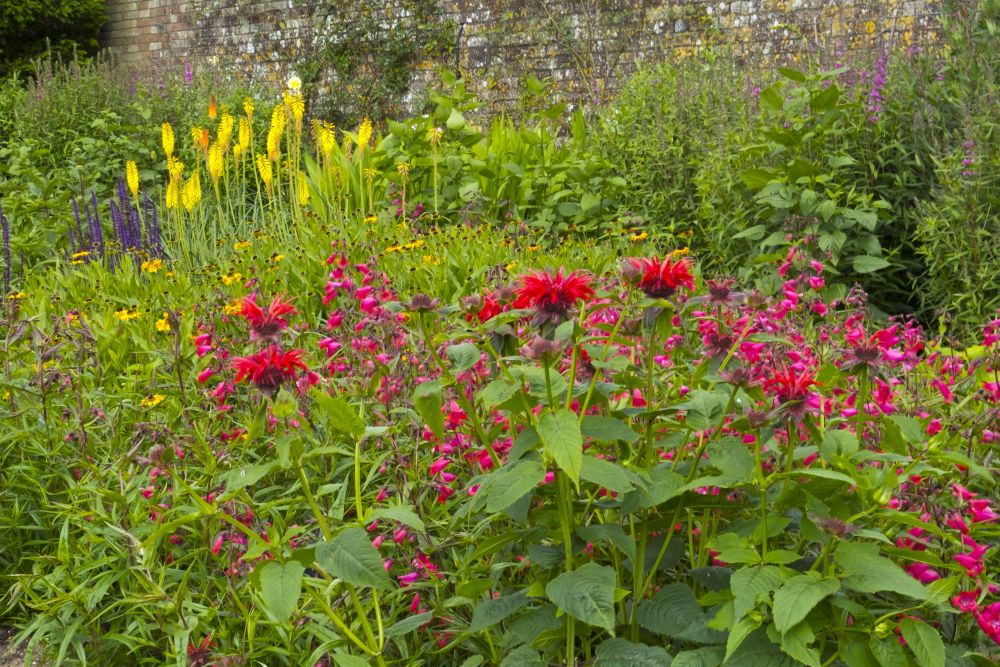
294,84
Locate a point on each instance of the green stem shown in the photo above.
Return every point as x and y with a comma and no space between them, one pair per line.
358,508
320,518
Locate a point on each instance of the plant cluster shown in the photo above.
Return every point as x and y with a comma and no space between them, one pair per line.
320,462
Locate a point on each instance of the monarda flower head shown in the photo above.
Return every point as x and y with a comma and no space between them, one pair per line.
267,324
270,368
658,279
552,295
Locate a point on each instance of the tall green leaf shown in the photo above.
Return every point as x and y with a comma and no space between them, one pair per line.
562,439
351,557
281,585
587,594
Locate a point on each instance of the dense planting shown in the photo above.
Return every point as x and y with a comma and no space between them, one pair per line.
419,392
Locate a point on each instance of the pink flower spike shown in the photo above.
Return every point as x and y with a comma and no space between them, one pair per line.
981,511
967,601
962,492
217,545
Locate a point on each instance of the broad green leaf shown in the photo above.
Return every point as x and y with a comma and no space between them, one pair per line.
239,478
409,624
700,657
749,583
562,439
523,656
463,356
607,429
889,652
796,643
674,612
493,610
924,641
427,402
611,476
867,571
612,533
351,557
798,596
843,444
741,630
587,594
456,121
756,179
511,484
620,652
281,585
402,514
759,651
910,428
342,417
869,264
496,392
735,549
344,660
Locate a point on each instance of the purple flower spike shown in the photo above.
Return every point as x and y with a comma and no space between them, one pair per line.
6,251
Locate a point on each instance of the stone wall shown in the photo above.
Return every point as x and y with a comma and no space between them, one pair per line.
585,47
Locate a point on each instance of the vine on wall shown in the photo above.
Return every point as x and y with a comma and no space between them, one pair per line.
363,55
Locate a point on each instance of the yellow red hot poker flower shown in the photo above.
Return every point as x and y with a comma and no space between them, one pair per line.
167,138
132,178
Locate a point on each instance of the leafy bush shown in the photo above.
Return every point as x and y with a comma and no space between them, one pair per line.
31,27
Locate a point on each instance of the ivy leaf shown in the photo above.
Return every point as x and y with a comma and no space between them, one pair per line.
561,436
351,557
798,596
281,585
924,641
620,652
587,594
867,571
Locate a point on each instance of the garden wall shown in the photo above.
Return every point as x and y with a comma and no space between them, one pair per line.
585,47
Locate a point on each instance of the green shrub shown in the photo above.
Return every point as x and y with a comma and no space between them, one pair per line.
31,27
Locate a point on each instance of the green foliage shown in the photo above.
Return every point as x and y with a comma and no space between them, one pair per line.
363,57
29,28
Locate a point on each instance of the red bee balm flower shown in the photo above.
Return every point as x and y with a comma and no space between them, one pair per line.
267,323
660,279
268,369
553,295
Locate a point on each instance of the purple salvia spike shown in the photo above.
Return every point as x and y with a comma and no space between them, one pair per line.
81,237
6,251
118,223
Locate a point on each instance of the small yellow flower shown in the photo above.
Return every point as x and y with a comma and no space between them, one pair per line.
364,133
434,135
681,252
152,400
79,257
16,296
413,245
432,259
326,138
231,277
126,314
277,257
167,138
371,219
132,178
233,307
163,324
242,245
510,266
533,248
641,236
248,107
152,265
6,395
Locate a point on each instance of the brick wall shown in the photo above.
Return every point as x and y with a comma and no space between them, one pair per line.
586,47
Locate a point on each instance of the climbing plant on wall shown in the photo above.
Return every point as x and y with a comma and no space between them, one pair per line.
363,55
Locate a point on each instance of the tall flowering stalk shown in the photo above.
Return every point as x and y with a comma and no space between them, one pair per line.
5,225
